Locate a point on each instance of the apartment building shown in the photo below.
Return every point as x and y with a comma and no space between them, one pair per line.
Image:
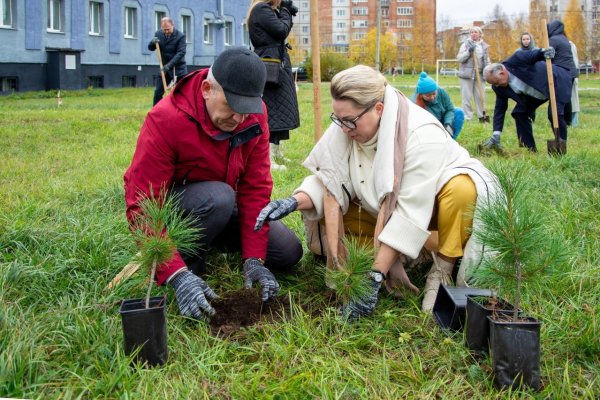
341,21
74,44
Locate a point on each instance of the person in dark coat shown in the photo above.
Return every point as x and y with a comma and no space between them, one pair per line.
172,51
269,24
523,78
208,143
564,56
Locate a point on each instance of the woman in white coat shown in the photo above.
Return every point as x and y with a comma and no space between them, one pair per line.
393,174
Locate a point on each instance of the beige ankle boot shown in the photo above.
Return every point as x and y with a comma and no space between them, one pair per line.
440,272
273,155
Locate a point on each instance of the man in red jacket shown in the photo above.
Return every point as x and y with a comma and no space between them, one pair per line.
208,142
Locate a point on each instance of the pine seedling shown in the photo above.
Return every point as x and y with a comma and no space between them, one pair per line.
350,281
513,228
159,230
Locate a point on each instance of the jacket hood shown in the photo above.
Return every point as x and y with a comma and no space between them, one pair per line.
556,28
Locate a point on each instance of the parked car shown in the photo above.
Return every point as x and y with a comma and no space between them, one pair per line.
300,72
449,72
587,68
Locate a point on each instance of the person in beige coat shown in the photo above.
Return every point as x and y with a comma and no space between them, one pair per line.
393,174
474,47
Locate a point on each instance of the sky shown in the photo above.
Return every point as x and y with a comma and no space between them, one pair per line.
463,12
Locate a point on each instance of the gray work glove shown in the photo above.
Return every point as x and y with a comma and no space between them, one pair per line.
155,40
275,210
255,271
192,294
166,68
364,306
548,52
449,130
289,5
470,47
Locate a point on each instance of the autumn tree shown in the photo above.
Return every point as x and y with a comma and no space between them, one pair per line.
575,28
421,45
538,11
498,35
363,51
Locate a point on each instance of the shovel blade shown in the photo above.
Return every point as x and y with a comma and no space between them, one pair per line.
557,147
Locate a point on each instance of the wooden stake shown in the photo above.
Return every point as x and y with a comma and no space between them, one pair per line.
316,64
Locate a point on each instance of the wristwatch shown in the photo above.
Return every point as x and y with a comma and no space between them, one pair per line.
377,276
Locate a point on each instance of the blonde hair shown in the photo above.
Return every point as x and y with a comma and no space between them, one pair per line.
362,85
253,4
478,30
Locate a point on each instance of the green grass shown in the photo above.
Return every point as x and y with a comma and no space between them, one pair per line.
63,237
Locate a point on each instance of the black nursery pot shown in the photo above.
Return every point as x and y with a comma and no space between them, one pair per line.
477,327
515,348
146,329
450,304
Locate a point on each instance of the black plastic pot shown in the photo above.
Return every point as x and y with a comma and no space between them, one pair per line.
450,304
145,329
515,349
477,327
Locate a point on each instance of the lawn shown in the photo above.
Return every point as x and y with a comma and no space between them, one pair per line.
63,237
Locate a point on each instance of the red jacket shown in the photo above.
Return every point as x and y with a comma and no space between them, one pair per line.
178,144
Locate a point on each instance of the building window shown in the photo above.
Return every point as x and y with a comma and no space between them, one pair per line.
96,82
96,18
340,13
359,35
385,12
405,1
130,22
404,11
186,27
360,11
158,16
304,40
228,33
6,10
245,35
340,25
54,15
340,38
128,81
404,23
360,23
8,84
305,28
208,31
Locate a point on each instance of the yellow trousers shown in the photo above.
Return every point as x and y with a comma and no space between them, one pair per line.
452,217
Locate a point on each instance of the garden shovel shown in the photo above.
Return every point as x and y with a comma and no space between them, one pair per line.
556,146
162,73
485,118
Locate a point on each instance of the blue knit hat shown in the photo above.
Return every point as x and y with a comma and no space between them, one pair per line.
426,84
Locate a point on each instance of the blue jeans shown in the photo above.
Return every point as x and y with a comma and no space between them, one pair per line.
459,120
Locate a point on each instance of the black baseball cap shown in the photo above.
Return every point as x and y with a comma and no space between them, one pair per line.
242,75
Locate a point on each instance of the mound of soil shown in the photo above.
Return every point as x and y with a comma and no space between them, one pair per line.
243,308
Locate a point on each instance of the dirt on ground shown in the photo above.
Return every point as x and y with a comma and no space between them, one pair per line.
244,308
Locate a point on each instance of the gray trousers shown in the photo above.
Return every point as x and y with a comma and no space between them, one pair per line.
468,90
213,205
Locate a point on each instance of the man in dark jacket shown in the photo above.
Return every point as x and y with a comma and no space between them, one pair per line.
172,51
523,78
208,143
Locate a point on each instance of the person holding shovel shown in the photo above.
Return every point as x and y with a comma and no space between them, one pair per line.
523,78
473,57
208,144
387,171
171,50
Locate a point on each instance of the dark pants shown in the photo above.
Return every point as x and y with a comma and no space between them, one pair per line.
524,115
213,204
159,90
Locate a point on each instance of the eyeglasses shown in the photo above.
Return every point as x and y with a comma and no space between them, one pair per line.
349,123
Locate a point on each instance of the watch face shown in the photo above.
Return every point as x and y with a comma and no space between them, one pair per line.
377,276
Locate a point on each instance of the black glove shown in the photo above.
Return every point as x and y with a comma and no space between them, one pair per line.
191,293
548,52
289,5
155,40
275,210
364,306
255,271
470,47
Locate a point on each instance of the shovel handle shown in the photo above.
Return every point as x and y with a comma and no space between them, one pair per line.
479,83
162,73
551,83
